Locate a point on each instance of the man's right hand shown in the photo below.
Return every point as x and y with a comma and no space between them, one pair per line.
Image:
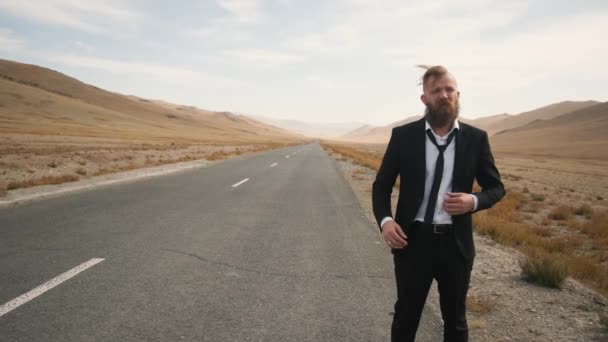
393,235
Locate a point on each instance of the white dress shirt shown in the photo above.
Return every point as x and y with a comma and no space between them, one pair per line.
440,216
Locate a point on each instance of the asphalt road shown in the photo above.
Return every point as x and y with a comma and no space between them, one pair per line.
286,256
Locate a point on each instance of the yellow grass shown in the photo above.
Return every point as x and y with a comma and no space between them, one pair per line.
480,304
42,181
559,240
363,158
561,213
544,268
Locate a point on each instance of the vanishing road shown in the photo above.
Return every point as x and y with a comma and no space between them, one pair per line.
266,247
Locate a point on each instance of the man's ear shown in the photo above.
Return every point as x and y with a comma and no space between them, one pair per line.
423,99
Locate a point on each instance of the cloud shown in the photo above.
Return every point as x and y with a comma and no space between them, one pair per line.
94,16
330,41
9,42
241,11
266,57
163,72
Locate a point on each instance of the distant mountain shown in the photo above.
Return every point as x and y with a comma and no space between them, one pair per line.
492,124
581,133
543,113
310,129
375,135
37,100
487,121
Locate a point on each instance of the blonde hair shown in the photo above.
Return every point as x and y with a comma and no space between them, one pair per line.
433,71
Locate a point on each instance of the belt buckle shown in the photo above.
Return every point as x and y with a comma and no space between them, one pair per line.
435,231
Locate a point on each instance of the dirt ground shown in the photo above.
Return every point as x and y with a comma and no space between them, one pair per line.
502,306
48,160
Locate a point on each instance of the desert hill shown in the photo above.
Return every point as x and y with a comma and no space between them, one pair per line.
39,101
582,133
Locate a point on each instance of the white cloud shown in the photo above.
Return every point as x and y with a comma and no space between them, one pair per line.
331,41
265,57
172,74
242,11
9,42
96,16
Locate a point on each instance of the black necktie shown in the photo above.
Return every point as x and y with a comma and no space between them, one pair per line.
430,208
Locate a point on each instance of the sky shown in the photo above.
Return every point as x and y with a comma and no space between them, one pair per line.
319,61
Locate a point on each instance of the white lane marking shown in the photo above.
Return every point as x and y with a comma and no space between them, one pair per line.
26,297
274,164
287,156
239,183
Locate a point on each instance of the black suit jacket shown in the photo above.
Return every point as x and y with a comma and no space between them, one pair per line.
406,156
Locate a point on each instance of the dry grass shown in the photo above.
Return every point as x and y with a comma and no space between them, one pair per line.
557,239
550,256
544,268
46,180
480,304
537,197
584,210
476,324
604,320
217,155
3,190
561,213
597,226
364,158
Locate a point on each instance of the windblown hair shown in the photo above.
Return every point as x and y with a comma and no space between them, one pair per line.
433,71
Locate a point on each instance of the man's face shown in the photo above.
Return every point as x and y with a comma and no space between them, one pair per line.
441,99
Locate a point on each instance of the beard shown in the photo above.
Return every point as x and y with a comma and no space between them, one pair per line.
442,115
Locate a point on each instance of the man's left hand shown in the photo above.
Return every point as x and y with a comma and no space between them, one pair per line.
458,203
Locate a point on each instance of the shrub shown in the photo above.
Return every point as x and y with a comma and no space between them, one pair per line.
597,226
604,320
42,181
561,213
482,305
544,269
537,197
584,210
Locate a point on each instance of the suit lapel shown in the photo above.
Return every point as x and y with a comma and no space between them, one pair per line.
420,154
459,154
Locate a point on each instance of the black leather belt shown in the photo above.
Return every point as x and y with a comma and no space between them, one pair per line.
434,228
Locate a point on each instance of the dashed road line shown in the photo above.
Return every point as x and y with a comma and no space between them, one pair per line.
239,183
26,297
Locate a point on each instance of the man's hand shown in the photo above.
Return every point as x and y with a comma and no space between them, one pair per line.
393,235
458,203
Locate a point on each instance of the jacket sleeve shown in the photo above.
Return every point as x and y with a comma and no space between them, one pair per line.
385,180
488,177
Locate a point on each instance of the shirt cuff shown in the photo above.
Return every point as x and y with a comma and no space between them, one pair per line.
475,202
384,220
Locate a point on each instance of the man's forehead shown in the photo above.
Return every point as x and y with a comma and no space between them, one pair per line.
445,79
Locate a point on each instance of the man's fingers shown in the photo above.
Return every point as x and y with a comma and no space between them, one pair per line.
394,236
453,199
397,239
401,233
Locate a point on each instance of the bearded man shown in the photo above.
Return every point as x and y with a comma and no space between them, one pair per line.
437,159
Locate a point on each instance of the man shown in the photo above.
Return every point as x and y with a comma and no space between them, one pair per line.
437,159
